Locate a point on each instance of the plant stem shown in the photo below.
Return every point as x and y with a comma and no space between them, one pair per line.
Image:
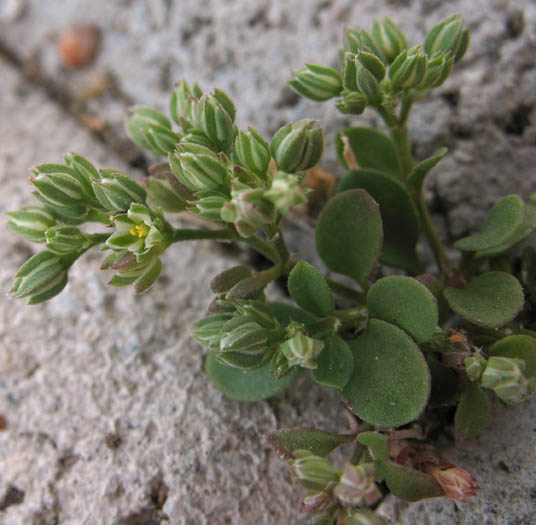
399,134
405,109
263,247
351,317
188,234
271,274
344,291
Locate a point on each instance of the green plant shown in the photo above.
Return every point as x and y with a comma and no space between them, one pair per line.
399,348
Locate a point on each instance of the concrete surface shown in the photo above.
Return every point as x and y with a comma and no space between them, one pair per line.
109,417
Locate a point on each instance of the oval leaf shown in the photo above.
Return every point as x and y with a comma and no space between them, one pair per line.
241,385
371,149
308,287
473,411
390,383
501,223
318,442
335,363
491,300
377,443
406,303
399,217
420,170
518,347
409,484
349,234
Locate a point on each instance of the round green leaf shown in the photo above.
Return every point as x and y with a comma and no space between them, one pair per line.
349,234
390,383
501,223
473,411
308,287
518,347
409,484
371,149
399,217
406,303
241,385
335,363
491,300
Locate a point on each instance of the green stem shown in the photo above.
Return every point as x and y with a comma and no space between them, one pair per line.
405,109
271,274
276,239
187,234
351,317
399,134
346,292
263,247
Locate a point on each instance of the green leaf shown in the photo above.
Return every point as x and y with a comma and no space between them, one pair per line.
521,232
409,484
285,313
518,347
308,287
349,234
399,217
371,149
335,363
406,303
390,383
491,300
501,223
473,412
242,385
377,443
420,170
318,442
225,280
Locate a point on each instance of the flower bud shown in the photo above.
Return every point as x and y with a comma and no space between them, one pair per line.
244,335
389,39
316,502
163,195
301,350
63,240
142,274
41,277
356,485
259,312
462,45
455,482
408,70
445,36
354,41
196,136
248,210
350,72
184,105
317,82
352,103
151,130
31,222
83,168
208,330
71,215
313,472
116,191
137,231
474,366
368,85
252,152
59,185
209,205
504,375
437,71
199,168
216,116
225,280
298,146
285,192
372,63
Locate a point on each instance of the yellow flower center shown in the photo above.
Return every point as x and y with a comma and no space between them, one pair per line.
140,230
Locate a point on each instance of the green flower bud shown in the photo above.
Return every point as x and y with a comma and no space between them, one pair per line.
225,280
504,375
151,130
462,46
31,222
141,274
72,215
252,152
83,168
317,82
248,210
116,191
59,186
301,350
474,366
356,485
445,36
209,205
63,240
216,116
356,40
350,72
389,38
368,85
298,146
137,231
352,103
259,312
408,69
244,335
199,168
313,472
162,194
41,277
371,63
196,136
184,105
208,330
285,192
437,71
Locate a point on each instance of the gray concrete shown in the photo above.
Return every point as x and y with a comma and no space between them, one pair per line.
103,392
